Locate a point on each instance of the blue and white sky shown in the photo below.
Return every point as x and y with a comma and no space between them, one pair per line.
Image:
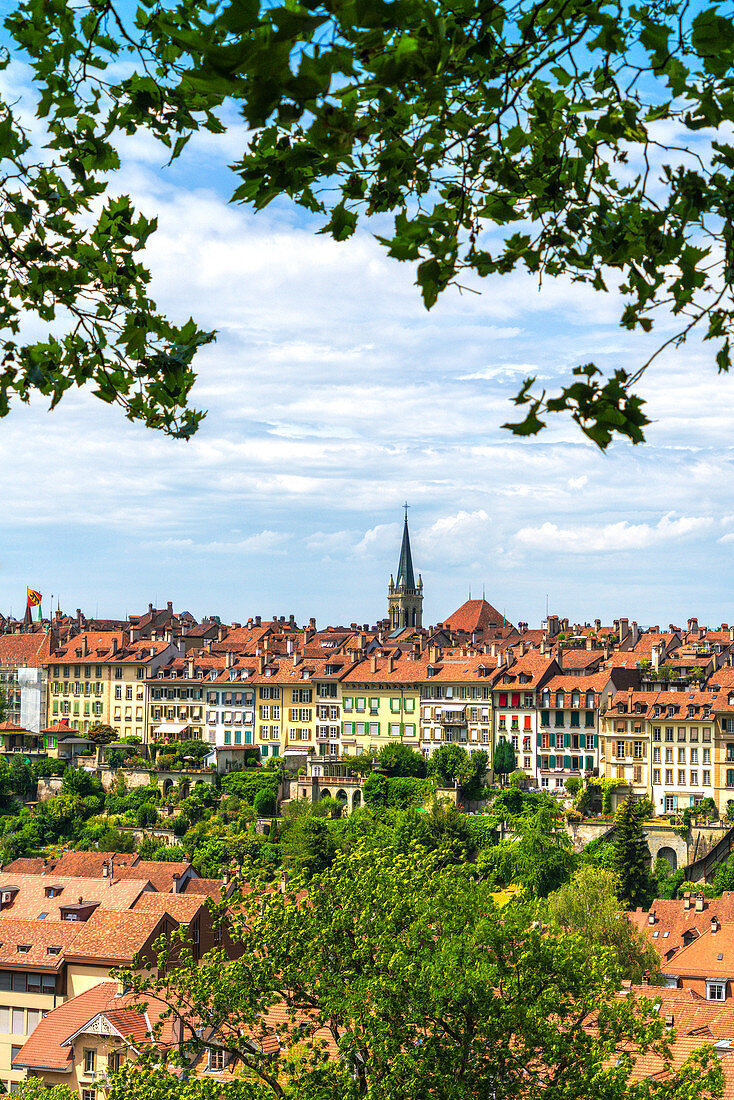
333,396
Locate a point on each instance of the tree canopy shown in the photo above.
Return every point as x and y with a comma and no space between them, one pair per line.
409,986
564,138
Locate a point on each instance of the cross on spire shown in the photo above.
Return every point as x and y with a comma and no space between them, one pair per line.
406,506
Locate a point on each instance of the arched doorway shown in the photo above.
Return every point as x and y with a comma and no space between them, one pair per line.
356,799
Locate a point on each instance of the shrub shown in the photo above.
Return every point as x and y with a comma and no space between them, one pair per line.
264,803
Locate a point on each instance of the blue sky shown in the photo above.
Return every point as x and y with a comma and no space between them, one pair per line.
333,397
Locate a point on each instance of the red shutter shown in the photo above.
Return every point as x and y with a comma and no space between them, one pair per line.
503,698
516,698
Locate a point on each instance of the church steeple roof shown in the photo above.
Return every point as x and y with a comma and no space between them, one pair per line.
406,577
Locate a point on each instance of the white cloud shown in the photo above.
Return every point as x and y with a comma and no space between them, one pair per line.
576,483
611,538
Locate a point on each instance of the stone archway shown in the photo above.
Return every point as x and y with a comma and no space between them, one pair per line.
356,799
341,796
670,856
325,793
167,786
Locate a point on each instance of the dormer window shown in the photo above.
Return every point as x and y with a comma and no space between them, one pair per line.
560,698
217,1059
213,674
53,891
24,948
53,950
233,674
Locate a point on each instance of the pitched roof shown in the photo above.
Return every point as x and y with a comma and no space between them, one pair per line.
50,1046
476,615
90,864
30,899
115,937
29,650
44,1050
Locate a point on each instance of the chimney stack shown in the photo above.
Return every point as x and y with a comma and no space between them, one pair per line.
714,926
699,902
686,901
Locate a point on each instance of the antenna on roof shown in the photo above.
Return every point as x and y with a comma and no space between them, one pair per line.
483,593
469,591
546,605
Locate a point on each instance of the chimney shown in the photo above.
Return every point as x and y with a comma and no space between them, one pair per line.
105,870
434,654
228,659
114,645
261,664
258,620
297,658
597,625
225,876
655,654
190,664
373,664
651,917
170,606
312,624
283,885
687,901
624,629
646,978
714,926
391,662
699,903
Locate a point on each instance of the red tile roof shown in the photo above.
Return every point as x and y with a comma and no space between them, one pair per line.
476,615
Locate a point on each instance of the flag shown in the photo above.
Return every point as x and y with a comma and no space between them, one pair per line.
33,607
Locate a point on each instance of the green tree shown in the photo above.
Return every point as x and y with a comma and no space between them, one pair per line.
404,963
631,855
505,760
308,846
574,784
22,779
264,803
397,759
102,734
543,857
588,905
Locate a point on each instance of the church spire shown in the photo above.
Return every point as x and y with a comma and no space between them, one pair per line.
406,577
405,600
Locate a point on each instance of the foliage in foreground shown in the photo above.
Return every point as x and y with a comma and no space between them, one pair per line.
402,964
564,138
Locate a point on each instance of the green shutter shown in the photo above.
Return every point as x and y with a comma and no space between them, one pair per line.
552,762
590,718
552,739
567,740
582,740
539,740
589,763
545,717
567,763
596,740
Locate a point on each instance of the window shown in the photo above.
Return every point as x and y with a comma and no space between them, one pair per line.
656,756
18,1016
216,1060
656,775
706,778
681,756
90,1060
669,779
681,778
113,1061
694,778
694,756
89,1094
716,991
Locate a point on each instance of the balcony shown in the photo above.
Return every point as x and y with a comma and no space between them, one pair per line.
452,716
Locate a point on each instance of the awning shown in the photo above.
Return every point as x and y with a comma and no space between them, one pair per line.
172,727
295,752
454,710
